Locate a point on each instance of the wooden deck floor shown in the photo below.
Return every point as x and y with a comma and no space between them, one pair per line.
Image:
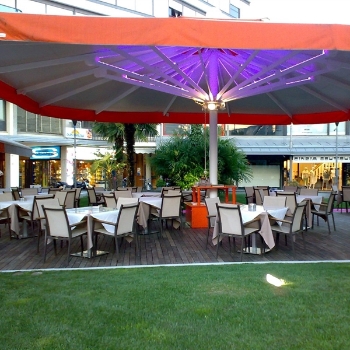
176,247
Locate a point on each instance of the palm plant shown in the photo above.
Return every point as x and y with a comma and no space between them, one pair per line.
117,133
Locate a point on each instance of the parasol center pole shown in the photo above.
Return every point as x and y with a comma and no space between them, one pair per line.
213,149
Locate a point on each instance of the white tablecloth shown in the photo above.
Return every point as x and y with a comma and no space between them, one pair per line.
26,205
75,215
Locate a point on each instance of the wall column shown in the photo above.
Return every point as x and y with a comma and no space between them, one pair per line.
11,170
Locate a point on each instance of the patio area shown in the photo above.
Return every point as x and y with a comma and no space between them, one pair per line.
175,247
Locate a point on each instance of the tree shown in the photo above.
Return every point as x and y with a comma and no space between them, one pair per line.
114,134
107,164
182,159
117,133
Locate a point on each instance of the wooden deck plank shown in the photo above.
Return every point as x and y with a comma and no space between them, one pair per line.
176,247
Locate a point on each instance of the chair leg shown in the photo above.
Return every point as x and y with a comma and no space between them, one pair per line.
293,245
68,251
116,248
302,235
206,245
217,246
45,247
333,221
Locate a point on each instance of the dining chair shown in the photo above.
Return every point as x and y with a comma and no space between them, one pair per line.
30,217
5,218
6,196
61,196
132,189
94,199
231,226
290,188
77,197
59,229
39,216
346,196
166,189
124,226
29,191
109,200
15,194
260,192
324,212
54,190
293,227
69,201
308,192
125,194
249,195
126,201
270,202
122,189
170,210
291,201
210,204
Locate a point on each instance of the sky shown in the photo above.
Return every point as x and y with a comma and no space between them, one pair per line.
300,11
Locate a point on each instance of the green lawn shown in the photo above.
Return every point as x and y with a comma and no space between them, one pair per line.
194,307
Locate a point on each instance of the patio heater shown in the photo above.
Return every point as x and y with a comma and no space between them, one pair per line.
75,154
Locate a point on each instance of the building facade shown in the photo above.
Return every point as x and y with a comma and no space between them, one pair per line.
276,153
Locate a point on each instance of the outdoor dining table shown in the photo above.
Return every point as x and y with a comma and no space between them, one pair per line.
75,215
25,204
264,214
313,203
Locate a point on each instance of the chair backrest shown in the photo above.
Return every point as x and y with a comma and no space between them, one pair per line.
126,201
69,200
174,192
298,216
171,206
54,189
122,189
290,188
139,189
271,202
330,204
92,195
6,196
126,218
39,202
291,200
132,189
210,203
335,188
346,193
166,189
230,219
15,194
249,194
57,223
77,193
29,191
309,192
125,194
61,196
260,192
110,200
